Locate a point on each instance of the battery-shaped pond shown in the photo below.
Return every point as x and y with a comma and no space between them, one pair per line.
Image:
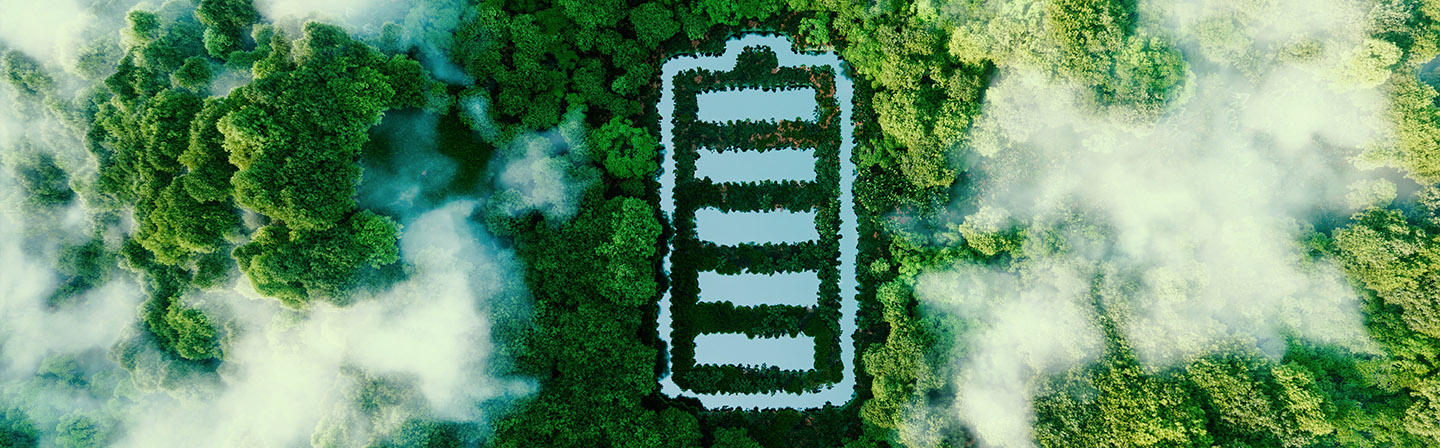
757,178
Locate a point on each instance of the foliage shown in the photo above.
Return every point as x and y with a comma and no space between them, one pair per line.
627,255
77,430
626,151
1397,261
733,438
225,23
326,81
296,265
45,184
17,431
282,153
1400,263
25,74
194,74
139,133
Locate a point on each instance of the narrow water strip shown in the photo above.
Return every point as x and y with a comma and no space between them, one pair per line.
843,391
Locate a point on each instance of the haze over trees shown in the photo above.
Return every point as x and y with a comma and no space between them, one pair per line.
183,239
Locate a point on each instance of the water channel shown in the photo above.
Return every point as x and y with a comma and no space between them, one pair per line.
733,228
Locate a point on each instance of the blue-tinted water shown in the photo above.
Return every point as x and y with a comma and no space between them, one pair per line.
731,228
754,166
722,228
786,288
741,350
751,104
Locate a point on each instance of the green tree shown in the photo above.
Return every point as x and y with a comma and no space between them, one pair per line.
225,23
626,151
17,431
194,74
78,430
297,266
195,337
653,23
25,74
205,158
45,184
629,277
1400,262
291,170
1149,74
731,12
1423,418
1089,33
733,438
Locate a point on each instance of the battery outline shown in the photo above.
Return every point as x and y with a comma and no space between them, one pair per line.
837,393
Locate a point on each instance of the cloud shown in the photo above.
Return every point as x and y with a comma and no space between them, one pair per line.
545,172
289,378
42,29
425,25
361,16
1199,212
408,174
286,376
1009,348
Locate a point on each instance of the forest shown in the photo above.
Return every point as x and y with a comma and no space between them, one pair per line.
1082,223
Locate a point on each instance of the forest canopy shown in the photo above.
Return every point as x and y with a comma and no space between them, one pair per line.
438,223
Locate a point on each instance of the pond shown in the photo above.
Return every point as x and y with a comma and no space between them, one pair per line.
754,166
780,164
750,104
786,288
731,228
782,352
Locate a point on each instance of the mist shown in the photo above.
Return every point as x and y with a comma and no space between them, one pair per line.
1186,228
43,31
544,171
427,26
288,374
423,346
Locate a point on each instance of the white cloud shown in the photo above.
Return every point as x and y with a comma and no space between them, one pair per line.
1203,208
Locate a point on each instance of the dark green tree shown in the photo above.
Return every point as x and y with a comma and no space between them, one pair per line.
296,265
17,431
626,151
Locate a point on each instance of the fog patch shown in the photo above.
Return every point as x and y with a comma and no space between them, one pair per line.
290,377
364,17
427,340
1009,349
42,29
411,175
544,172
1201,211
426,26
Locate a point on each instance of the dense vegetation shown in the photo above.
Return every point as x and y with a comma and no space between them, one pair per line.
235,147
